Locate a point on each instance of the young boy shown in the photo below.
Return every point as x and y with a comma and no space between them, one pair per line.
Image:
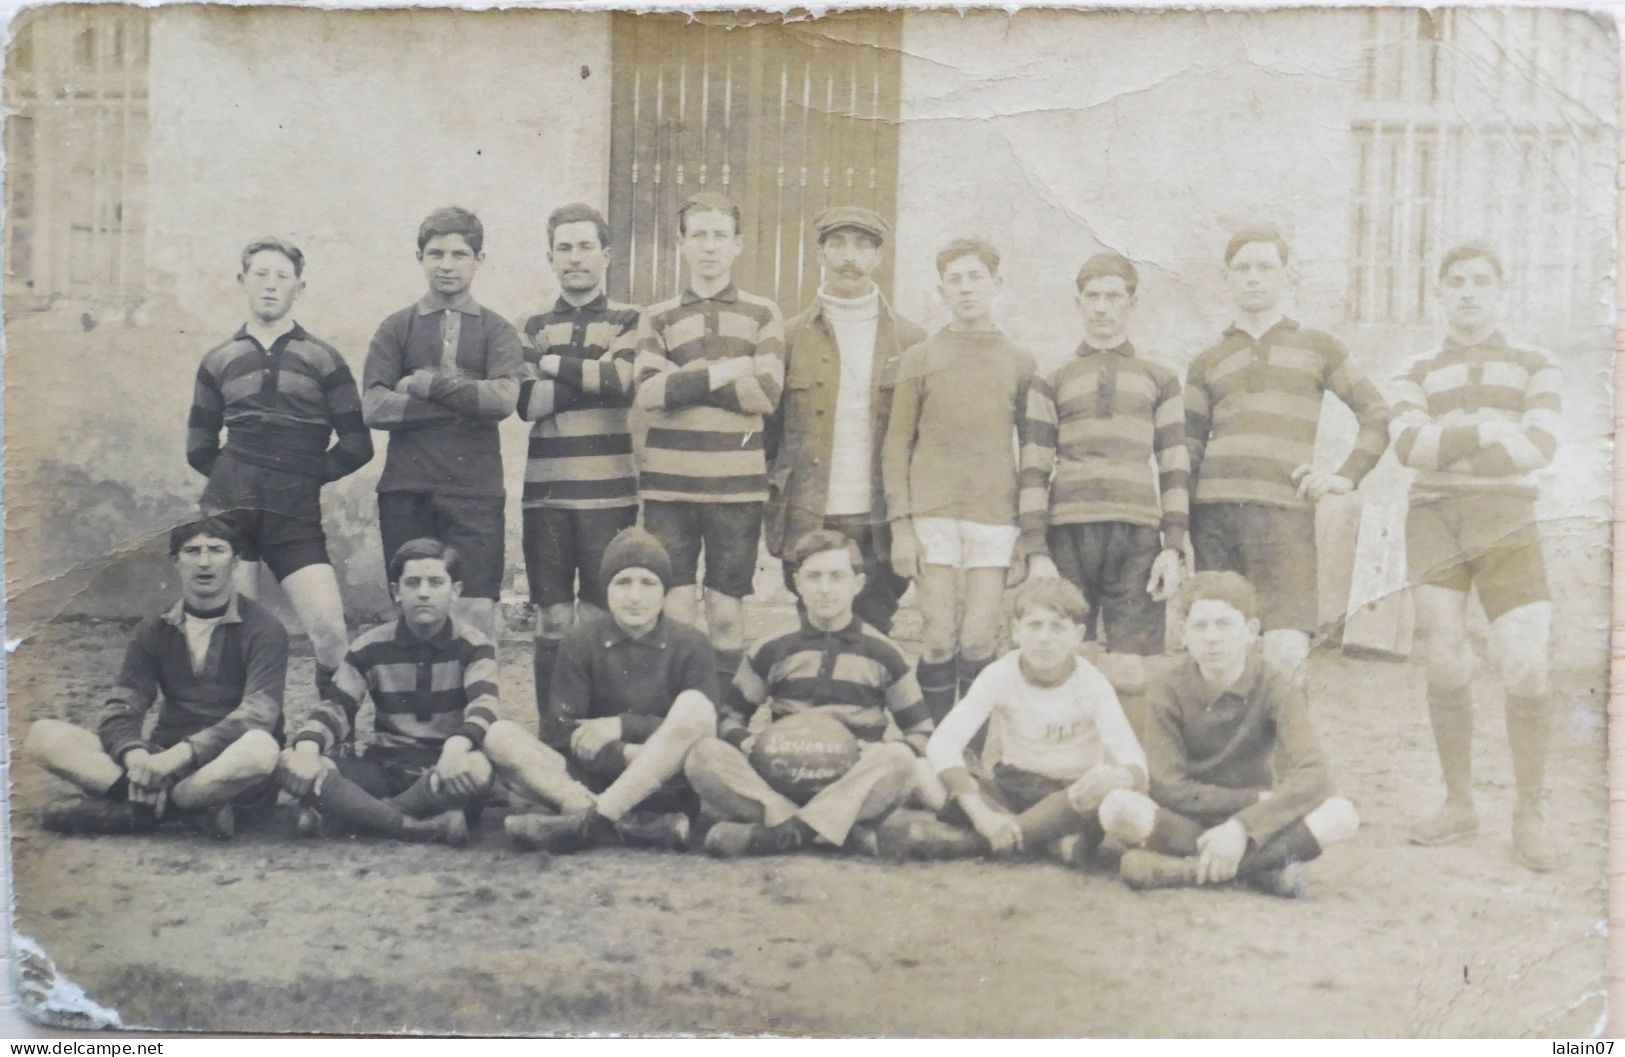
433,683
581,486
440,375
1062,740
710,366
1252,415
1238,785
219,660
632,694
280,394
840,666
1477,419
966,398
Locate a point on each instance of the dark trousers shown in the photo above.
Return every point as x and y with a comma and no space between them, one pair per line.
876,605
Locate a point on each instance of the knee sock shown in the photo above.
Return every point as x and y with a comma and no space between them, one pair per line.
728,662
936,680
544,654
968,670
324,681
1450,710
1529,730
1173,834
1292,845
348,802
1050,819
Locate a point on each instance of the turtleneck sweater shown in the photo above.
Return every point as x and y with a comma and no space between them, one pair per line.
854,322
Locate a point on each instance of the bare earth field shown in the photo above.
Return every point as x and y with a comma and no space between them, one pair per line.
344,935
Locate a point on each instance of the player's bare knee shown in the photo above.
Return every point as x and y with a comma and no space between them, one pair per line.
501,742
1334,821
49,740
479,766
257,752
1128,816
1525,674
552,622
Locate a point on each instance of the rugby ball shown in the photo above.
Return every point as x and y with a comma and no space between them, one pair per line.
804,752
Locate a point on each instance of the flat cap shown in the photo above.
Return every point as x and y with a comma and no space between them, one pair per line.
866,220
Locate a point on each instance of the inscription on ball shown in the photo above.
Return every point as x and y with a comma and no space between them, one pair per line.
803,753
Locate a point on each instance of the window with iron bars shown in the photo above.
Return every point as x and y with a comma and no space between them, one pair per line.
1469,128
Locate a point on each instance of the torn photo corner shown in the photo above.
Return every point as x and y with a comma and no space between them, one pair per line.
901,523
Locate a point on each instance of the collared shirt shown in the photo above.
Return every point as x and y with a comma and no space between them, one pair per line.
424,690
237,687
1445,398
279,406
1252,413
580,454
705,438
1213,753
1113,412
602,671
855,674
445,443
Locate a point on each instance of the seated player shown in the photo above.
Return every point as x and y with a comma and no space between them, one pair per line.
840,666
632,693
1061,741
220,661
433,682
1238,785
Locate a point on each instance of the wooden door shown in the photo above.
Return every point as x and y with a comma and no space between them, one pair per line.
785,119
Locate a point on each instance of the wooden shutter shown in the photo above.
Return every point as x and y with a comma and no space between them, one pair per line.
783,119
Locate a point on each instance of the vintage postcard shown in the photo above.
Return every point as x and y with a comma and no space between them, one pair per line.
896,523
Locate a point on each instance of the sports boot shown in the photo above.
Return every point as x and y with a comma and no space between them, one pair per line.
537,831
1450,712
1531,841
1529,730
308,822
1456,820
217,823
1141,869
728,840
1287,882
929,838
667,832
449,828
94,815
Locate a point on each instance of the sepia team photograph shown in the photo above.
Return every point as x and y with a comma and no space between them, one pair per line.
900,523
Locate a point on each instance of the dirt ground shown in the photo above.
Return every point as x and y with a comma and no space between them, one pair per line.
271,934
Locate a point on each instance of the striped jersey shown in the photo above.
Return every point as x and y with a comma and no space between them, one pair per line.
705,431
1252,412
1114,413
856,674
1477,418
576,389
279,406
423,690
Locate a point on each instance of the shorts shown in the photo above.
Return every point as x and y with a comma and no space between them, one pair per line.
1489,540
387,773
277,514
731,534
559,544
1012,790
965,544
1274,548
1110,562
471,524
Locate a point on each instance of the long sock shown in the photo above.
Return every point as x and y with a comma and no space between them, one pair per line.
348,802
543,656
937,686
968,669
324,681
1529,732
1050,819
1293,844
1450,709
728,662
1173,834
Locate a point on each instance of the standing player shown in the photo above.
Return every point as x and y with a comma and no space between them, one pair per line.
1252,416
581,486
1477,419
1238,785
433,683
1116,529
280,393
838,665
966,398
440,375
710,367
841,360
219,660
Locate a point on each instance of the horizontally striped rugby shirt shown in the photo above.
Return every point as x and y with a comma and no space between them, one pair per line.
580,446
705,438
856,674
279,407
423,690
1445,399
1252,411
1113,413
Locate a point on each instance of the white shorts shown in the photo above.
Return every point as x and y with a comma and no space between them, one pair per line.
965,544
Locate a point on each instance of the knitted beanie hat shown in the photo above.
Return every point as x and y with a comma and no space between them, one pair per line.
634,548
